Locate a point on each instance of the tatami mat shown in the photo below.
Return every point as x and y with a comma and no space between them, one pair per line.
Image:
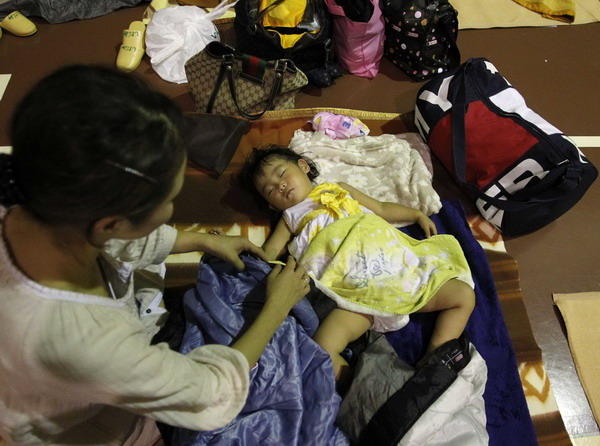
509,14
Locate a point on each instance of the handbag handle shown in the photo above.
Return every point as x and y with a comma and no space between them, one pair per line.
226,70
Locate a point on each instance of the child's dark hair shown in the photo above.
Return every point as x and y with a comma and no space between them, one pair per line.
259,158
90,142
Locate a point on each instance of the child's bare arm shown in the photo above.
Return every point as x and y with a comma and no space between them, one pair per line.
277,241
392,212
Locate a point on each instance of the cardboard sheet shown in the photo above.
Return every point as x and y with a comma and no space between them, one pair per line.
580,313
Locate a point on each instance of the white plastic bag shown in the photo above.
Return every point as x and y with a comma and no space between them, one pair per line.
177,33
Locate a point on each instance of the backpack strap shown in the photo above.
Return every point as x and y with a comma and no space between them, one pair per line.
445,24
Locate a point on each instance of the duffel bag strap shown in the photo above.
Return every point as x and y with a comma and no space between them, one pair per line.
543,193
459,141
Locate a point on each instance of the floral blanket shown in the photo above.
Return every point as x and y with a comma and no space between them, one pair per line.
385,167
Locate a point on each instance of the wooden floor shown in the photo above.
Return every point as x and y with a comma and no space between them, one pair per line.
556,69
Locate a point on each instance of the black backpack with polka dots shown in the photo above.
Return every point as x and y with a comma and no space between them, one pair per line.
420,36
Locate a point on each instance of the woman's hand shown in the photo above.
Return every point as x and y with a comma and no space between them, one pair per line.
225,247
426,224
286,285
229,248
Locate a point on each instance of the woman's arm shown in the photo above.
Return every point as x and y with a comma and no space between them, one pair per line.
226,247
277,241
285,287
392,212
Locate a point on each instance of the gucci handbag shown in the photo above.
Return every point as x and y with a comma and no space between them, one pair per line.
225,81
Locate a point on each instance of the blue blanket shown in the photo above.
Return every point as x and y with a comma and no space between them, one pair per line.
292,395
508,418
292,398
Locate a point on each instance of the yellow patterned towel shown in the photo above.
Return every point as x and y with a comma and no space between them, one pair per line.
371,264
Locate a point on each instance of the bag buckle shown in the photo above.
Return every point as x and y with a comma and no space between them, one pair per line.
280,65
228,59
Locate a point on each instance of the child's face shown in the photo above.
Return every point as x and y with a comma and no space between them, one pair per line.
284,183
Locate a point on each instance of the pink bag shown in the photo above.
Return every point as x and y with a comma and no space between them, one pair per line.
358,45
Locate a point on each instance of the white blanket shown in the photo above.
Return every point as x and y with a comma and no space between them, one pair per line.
457,417
383,167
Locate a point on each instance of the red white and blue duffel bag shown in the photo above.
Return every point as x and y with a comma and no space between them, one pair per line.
522,171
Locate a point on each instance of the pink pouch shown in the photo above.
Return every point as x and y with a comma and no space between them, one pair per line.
338,126
358,45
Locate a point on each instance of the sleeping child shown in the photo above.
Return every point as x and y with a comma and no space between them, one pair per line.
376,274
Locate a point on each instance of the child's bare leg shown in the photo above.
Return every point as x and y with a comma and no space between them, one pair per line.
455,301
338,329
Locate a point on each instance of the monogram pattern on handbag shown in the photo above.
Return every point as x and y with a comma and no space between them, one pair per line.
206,80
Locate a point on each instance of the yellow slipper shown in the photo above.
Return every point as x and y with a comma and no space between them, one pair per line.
132,49
17,24
154,6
